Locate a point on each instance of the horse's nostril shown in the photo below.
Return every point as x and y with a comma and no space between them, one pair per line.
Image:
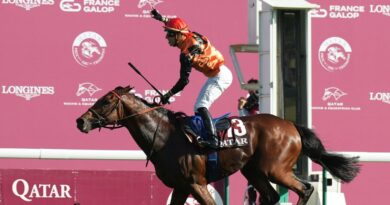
80,122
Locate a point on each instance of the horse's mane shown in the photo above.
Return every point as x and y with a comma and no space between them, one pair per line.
126,90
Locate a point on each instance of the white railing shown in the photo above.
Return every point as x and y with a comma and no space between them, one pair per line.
368,156
67,154
27,153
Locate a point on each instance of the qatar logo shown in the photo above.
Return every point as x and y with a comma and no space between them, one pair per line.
192,201
85,92
334,92
334,54
22,189
87,87
151,3
89,48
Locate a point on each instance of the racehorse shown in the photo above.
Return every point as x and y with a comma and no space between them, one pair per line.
273,149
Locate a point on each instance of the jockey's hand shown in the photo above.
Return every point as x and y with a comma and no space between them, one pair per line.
165,98
156,15
241,102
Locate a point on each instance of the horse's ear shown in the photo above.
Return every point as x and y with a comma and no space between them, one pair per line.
127,89
118,88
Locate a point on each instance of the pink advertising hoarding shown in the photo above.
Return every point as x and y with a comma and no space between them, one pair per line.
41,187
351,87
58,57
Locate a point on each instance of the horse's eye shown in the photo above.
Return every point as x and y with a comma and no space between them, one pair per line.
106,104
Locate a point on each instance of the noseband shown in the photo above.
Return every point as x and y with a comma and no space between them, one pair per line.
102,122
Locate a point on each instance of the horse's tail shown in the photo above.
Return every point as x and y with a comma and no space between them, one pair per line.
338,165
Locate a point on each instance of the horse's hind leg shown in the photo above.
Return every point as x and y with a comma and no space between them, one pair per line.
202,195
302,188
178,197
307,192
268,195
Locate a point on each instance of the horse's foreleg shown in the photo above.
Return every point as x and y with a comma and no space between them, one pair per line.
179,197
202,195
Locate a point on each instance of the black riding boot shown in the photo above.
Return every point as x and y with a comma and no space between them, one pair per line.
212,140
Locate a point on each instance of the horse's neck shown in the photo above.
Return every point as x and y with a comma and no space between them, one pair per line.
143,126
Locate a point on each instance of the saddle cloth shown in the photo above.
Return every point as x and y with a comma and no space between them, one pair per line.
230,130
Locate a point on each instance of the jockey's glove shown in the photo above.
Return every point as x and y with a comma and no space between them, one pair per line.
156,15
165,97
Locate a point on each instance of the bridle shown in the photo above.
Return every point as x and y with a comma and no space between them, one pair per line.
102,122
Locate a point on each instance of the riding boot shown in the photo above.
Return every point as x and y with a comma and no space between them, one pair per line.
212,140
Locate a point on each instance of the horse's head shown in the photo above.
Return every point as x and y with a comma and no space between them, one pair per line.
106,111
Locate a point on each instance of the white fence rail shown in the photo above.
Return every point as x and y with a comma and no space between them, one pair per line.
369,156
87,154
68,154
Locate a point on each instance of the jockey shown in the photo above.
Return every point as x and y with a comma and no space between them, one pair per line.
197,52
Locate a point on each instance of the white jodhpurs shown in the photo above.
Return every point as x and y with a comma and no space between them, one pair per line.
213,88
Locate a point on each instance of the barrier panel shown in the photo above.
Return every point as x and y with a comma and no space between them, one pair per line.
79,187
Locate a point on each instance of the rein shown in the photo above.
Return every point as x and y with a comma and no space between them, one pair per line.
133,115
115,124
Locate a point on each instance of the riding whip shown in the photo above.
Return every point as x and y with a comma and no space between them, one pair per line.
139,73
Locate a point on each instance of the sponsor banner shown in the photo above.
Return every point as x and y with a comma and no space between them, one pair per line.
383,97
333,100
383,9
27,92
334,54
349,11
89,48
29,4
89,6
85,95
62,187
144,8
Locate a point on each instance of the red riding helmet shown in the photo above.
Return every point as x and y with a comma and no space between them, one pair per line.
177,25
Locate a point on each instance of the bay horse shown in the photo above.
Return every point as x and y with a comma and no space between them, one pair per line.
273,149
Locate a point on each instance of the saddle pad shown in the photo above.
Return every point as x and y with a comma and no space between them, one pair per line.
233,134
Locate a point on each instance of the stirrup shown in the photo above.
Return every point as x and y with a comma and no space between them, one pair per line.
206,143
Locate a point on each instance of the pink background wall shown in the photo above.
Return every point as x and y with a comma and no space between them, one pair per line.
36,47
365,126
